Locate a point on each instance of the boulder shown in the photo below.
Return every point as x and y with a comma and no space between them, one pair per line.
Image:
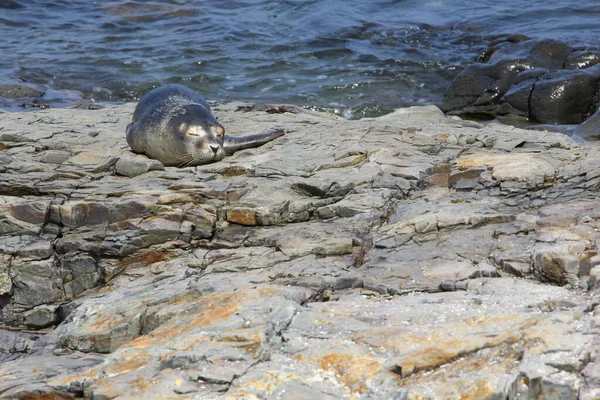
543,81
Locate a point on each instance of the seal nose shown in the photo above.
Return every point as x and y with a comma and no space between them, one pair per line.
214,149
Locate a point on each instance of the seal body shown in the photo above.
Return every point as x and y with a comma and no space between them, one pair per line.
174,125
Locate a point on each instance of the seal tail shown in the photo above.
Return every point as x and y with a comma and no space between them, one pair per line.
233,144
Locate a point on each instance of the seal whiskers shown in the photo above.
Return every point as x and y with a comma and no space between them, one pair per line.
185,161
174,125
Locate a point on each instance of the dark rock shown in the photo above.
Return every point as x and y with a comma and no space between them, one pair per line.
41,316
590,128
554,97
556,268
80,273
538,80
19,91
477,90
582,59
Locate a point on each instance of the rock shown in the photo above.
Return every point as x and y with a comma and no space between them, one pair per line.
590,128
408,256
41,316
18,91
552,97
561,385
591,374
595,278
519,269
5,284
35,282
54,156
137,166
79,274
555,267
5,158
546,81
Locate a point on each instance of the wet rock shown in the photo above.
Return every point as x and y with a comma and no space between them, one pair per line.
18,91
538,80
590,128
552,97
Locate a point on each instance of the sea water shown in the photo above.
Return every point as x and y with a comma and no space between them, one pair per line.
354,57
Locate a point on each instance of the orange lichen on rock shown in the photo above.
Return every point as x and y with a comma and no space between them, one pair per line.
255,344
147,258
139,352
242,217
269,291
103,324
480,390
352,371
140,383
439,348
133,361
268,382
217,308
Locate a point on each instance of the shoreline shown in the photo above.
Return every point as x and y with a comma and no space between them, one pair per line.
411,254
70,101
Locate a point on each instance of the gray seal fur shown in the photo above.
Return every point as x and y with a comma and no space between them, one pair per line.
174,125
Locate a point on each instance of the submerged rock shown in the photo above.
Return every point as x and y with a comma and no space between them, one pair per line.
410,255
19,91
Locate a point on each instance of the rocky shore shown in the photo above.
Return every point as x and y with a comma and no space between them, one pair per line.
410,256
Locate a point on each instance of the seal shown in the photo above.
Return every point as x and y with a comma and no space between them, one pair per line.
174,125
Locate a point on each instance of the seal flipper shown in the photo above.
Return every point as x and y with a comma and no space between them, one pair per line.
233,144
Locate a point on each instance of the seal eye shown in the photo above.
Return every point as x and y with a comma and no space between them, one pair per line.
195,131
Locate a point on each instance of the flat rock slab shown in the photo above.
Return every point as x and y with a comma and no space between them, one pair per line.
412,255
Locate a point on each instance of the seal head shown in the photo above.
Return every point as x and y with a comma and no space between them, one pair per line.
197,138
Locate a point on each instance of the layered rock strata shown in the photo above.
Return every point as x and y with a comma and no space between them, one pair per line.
407,256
